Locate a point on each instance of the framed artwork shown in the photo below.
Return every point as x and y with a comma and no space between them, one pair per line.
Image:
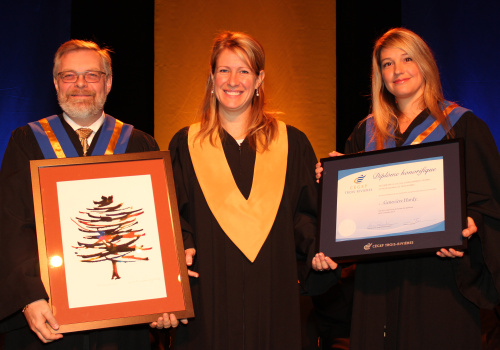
392,202
109,240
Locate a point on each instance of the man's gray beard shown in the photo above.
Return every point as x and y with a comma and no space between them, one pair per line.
81,110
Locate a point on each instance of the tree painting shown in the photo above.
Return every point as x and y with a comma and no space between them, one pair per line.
110,234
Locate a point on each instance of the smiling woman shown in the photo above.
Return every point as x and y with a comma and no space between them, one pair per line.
247,199
235,84
409,108
402,78
234,96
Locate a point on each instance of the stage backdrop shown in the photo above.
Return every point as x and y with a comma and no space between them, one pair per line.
30,33
464,36
298,38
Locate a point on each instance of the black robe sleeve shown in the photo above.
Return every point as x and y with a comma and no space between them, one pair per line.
305,218
20,274
179,154
478,274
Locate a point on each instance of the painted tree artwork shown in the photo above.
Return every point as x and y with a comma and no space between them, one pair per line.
111,233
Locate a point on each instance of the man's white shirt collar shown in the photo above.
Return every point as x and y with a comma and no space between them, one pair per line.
94,127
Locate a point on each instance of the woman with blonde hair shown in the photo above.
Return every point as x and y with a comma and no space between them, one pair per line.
387,111
426,302
247,200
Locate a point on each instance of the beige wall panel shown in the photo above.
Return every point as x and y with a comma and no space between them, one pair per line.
299,40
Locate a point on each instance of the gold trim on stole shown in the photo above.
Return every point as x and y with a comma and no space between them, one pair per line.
247,222
114,137
56,146
433,126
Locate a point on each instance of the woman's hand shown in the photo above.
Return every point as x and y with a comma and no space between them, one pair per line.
467,233
190,253
319,169
320,262
170,320
167,321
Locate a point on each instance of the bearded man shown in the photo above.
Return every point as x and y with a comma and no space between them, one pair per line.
82,78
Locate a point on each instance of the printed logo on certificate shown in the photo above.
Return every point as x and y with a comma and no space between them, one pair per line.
395,201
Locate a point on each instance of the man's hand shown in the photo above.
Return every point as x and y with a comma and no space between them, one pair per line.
38,314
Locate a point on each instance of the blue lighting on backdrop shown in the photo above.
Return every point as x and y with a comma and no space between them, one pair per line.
461,33
31,31
463,36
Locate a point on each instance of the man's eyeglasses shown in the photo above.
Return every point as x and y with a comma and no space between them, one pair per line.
91,76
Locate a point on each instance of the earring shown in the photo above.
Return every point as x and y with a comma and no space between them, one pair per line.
257,92
212,91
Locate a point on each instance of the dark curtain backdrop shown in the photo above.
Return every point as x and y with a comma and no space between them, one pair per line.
127,28
357,29
462,34
30,33
32,30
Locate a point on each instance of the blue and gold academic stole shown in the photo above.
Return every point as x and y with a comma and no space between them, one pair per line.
428,131
55,142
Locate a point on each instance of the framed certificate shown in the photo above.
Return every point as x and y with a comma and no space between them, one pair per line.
109,240
397,201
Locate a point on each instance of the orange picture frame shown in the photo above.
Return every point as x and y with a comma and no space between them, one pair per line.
102,271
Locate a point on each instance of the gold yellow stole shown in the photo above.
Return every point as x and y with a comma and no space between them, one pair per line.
247,222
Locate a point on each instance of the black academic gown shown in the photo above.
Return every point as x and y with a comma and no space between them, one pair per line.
427,302
239,304
19,274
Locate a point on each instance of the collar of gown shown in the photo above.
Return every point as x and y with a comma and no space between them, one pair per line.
247,222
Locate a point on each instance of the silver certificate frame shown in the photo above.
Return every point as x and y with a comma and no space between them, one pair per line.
393,202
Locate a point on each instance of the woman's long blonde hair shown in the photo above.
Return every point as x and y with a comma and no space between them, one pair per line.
384,107
262,126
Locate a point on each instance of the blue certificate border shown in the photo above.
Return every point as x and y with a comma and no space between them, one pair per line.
347,172
440,226
448,235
